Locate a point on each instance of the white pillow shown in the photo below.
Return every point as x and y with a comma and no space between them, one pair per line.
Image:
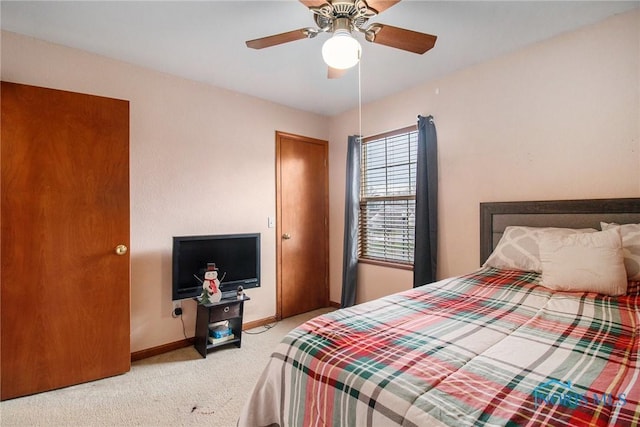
590,262
630,247
518,248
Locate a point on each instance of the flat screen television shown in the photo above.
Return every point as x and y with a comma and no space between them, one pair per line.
236,256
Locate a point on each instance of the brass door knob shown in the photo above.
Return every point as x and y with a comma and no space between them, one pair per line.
286,236
121,249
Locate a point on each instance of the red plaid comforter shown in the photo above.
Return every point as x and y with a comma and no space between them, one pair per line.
489,348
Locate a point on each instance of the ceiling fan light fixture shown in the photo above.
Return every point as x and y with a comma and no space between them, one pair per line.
342,50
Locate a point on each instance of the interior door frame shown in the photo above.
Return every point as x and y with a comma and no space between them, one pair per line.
279,136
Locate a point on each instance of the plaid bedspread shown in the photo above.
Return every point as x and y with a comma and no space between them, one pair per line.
489,348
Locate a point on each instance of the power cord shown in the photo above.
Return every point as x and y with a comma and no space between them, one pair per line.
177,313
266,328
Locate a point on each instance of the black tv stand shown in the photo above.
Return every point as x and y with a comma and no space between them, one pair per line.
226,310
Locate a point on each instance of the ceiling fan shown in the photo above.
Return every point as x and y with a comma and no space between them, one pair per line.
342,17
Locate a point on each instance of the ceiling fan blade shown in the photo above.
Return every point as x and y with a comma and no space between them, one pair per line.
381,5
277,39
335,73
404,39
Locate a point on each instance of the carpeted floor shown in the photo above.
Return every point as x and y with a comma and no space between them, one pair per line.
179,388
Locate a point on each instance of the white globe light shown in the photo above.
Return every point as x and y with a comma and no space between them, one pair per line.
341,51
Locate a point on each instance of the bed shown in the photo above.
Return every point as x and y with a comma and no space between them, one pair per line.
510,344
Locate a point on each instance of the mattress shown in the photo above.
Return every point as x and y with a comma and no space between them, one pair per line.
487,348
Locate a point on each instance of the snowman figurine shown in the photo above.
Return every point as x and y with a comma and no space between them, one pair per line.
211,285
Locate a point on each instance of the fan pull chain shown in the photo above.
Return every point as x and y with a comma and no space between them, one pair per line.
359,102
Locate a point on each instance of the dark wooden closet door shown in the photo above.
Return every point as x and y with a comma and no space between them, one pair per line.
65,209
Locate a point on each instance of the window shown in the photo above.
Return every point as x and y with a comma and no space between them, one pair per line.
388,197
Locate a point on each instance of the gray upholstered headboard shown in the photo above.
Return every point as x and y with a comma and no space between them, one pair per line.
496,216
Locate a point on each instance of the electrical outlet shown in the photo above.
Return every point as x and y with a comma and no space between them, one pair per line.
177,309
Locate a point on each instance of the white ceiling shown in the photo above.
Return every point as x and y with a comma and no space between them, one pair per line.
204,41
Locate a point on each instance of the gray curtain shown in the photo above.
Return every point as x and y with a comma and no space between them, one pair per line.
426,240
351,208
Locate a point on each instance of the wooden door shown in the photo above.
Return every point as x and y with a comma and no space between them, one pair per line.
65,208
302,226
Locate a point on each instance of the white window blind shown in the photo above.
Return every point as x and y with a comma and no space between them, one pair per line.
388,196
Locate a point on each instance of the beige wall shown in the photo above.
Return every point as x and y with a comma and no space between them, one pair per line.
202,162
558,120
